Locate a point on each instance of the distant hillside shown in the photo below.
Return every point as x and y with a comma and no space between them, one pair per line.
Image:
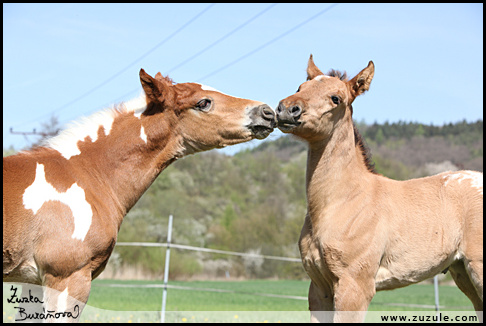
408,150
255,200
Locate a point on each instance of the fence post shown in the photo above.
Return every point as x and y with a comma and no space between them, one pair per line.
436,290
166,270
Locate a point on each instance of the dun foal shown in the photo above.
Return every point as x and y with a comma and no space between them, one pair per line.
64,203
364,232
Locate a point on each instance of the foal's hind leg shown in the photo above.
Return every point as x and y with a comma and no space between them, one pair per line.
475,271
466,285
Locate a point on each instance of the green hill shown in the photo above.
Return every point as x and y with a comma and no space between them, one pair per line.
255,200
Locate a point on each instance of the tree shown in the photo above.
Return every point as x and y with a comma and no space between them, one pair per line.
379,138
419,131
49,129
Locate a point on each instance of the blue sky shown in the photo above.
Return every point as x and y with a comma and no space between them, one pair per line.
428,57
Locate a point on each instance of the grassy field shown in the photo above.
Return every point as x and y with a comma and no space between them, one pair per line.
144,304
150,298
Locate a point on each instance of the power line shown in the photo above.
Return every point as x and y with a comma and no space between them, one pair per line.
34,132
268,43
200,52
249,53
182,63
221,39
126,68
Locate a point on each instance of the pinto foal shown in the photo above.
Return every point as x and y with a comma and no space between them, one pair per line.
364,232
64,203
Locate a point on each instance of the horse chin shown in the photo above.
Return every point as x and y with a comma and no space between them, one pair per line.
260,132
234,141
288,127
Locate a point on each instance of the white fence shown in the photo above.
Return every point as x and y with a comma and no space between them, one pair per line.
166,286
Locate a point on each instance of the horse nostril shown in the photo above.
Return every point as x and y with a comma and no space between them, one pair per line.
267,112
295,110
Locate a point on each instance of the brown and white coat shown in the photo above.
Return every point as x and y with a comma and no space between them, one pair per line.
64,203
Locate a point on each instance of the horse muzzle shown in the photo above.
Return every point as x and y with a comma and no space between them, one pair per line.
288,117
263,121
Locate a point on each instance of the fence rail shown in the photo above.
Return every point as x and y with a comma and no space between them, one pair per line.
165,285
234,253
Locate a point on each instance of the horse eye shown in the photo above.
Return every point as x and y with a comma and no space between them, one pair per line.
203,105
335,100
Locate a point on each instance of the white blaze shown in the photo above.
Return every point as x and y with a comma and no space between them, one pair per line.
40,192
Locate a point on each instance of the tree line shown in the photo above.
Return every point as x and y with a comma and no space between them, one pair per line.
255,201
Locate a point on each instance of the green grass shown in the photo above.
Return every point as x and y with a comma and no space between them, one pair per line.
121,304
449,296
177,300
149,299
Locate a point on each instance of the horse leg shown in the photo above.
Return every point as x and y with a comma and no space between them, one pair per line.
475,271
463,281
65,297
352,296
320,305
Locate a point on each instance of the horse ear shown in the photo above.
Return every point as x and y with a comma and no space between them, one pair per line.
361,82
158,76
154,89
312,70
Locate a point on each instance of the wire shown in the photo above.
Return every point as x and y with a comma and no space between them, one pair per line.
200,52
247,54
182,63
268,43
124,69
221,39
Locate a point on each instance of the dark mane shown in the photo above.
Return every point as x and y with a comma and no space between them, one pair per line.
359,141
336,73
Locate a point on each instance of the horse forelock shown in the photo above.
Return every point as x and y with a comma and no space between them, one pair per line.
342,75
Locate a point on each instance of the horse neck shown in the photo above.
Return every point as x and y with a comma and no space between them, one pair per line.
139,169
335,170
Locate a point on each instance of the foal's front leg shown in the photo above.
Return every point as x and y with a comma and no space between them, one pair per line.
352,296
320,304
65,297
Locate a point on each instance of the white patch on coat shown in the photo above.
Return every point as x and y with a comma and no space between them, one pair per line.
320,77
209,88
136,105
66,142
62,301
475,178
40,192
143,135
